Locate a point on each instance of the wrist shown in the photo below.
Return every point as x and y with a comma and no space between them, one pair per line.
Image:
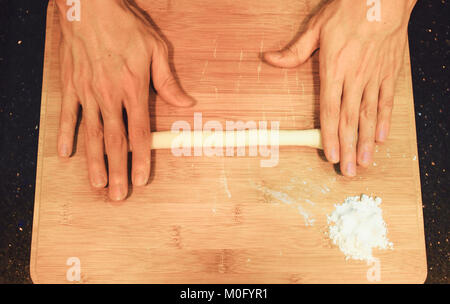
396,14
80,16
71,10
409,6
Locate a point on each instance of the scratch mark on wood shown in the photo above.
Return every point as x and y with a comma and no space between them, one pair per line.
286,84
65,215
176,236
259,69
222,266
241,56
237,214
215,48
238,85
225,181
204,69
261,48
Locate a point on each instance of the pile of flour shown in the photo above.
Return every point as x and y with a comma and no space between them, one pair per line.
357,226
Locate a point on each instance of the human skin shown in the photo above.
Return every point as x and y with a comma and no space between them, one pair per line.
359,64
107,59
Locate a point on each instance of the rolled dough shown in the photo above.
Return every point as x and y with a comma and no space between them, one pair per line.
169,139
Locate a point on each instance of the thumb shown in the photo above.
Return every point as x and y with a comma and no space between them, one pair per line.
296,53
165,83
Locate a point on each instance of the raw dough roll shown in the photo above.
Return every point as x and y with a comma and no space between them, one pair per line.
168,139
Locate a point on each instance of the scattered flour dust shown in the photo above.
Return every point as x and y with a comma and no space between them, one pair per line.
286,199
357,226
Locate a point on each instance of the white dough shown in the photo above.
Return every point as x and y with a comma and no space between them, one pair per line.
169,139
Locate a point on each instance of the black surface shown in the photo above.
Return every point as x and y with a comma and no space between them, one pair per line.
22,34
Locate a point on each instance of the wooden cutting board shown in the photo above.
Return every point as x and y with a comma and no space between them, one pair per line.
224,219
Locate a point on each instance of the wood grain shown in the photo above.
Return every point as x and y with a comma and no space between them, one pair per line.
215,219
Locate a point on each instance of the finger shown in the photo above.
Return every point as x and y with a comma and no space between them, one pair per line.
385,105
297,53
330,103
164,81
116,149
68,121
348,128
93,130
330,106
367,124
69,106
139,135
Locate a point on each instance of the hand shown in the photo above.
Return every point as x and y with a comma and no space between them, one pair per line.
359,64
106,59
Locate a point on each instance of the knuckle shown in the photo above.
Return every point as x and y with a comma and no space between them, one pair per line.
367,136
98,83
150,39
131,80
115,140
347,136
162,46
293,50
139,134
387,101
94,132
349,119
168,81
366,139
68,119
368,113
79,85
348,141
102,86
330,111
368,143
76,74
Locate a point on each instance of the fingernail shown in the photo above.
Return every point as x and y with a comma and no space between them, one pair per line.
64,150
382,134
334,156
116,193
351,170
99,181
366,157
140,179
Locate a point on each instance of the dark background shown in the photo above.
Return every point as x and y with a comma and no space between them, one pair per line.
22,36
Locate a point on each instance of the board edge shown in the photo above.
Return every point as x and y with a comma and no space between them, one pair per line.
42,128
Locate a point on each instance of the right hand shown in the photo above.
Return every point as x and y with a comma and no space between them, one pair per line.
105,61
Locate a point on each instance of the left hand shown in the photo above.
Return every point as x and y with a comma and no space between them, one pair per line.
359,64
